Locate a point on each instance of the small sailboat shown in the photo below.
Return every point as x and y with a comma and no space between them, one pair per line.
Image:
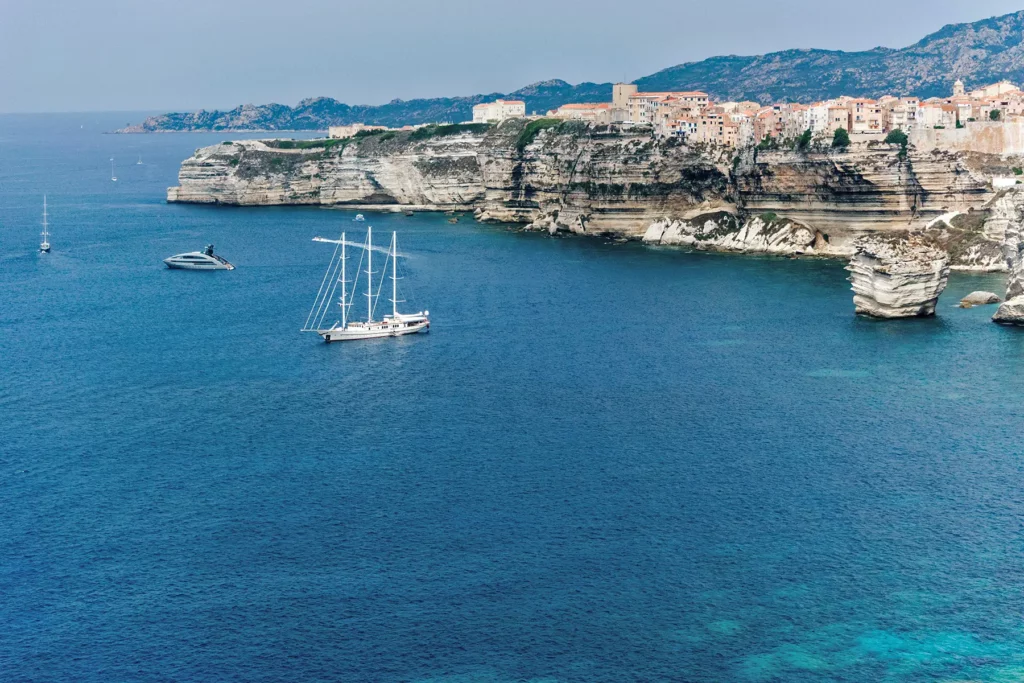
112,176
139,162
394,325
44,244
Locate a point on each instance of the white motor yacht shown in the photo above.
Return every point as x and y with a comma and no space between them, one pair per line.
394,325
198,260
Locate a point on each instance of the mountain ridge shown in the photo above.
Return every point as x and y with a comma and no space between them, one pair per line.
979,52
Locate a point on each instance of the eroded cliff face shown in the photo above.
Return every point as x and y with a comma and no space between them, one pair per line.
893,277
595,180
434,173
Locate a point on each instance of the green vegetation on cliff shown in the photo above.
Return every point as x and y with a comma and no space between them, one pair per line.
427,132
320,143
532,130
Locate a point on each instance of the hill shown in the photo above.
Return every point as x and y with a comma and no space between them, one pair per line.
320,112
978,53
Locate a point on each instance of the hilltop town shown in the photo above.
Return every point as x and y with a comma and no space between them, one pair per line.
965,120
989,119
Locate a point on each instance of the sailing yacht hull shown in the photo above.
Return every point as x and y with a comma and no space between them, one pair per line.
373,331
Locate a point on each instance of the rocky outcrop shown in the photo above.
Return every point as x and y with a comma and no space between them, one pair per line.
440,172
1010,312
1008,223
867,189
979,299
897,278
600,180
971,238
723,231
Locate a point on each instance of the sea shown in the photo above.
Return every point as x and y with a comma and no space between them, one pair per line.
605,462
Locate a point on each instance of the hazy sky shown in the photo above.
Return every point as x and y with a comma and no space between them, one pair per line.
88,55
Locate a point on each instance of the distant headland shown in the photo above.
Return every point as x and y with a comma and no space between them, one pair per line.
977,53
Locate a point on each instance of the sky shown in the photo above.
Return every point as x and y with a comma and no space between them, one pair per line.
160,55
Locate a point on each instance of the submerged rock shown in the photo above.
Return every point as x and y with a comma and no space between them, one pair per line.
1010,312
979,299
897,278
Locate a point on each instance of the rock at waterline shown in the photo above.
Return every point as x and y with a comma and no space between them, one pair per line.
979,299
1010,312
897,277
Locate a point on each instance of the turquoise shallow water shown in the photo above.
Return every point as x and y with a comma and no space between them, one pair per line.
605,463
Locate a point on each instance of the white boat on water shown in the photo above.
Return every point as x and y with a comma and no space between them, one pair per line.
113,176
198,260
359,218
394,325
44,244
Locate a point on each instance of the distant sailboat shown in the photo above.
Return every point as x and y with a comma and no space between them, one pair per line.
112,176
44,244
139,162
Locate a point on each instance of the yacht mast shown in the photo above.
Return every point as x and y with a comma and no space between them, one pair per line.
344,296
394,275
369,274
46,232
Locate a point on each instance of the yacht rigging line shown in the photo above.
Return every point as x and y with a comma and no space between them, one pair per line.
309,318
324,303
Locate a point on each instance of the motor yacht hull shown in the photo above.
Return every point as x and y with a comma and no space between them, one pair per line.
177,265
373,331
198,260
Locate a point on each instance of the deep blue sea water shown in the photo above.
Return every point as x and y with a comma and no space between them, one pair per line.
605,462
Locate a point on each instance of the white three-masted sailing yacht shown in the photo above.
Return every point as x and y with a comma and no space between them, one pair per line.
393,325
44,243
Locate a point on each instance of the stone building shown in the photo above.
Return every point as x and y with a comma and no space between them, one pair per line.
650,107
597,112
498,111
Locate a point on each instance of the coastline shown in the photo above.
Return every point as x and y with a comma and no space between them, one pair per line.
221,130
591,180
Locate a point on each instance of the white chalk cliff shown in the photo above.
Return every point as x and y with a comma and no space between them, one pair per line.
599,181
897,278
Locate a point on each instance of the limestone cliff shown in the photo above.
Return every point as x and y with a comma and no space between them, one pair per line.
602,181
893,277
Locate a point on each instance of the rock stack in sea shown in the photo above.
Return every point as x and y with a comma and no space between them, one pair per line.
896,277
1011,311
1010,206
